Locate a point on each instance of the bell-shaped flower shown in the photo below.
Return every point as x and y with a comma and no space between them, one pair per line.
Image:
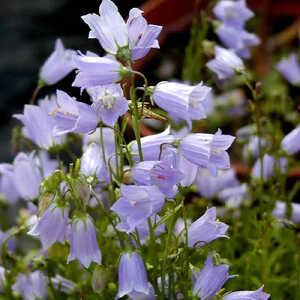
290,69
142,36
206,229
73,116
38,125
83,242
95,70
58,65
31,286
109,103
208,185
151,145
290,142
137,203
248,295
27,176
225,63
237,39
280,211
182,101
132,277
7,183
235,13
207,150
51,226
2,278
234,196
210,280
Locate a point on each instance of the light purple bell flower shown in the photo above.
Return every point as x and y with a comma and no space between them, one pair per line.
8,187
151,145
225,63
46,165
237,39
51,226
2,278
73,116
38,125
132,277
207,150
142,36
27,176
280,211
182,101
83,242
235,13
208,185
206,229
268,166
210,279
95,70
137,204
290,142
290,69
234,196
109,102
62,284
248,295
31,286
58,65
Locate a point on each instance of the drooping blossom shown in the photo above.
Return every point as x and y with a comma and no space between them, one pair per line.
290,69
280,211
58,65
2,278
290,142
51,226
31,286
113,33
71,115
39,125
95,70
132,277
233,197
225,63
206,229
208,185
210,280
7,183
137,203
234,13
109,102
207,150
83,242
182,101
248,295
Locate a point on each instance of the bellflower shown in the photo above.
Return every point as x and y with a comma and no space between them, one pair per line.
95,70
210,280
73,116
7,183
237,39
38,125
83,242
132,277
27,176
207,150
2,278
235,13
137,203
234,196
280,211
290,142
181,100
225,63
248,295
208,185
31,286
206,229
58,65
109,103
51,226
290,69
